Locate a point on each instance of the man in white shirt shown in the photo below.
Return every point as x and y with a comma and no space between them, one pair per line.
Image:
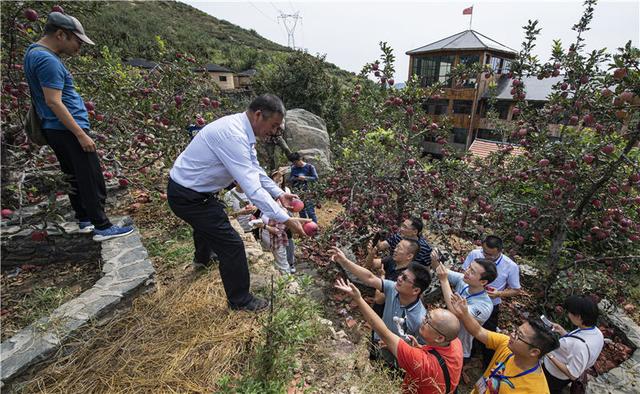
507,284
579,349
221,152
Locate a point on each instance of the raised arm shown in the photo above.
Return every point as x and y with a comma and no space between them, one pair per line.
461,310
367,277
443,276
376,323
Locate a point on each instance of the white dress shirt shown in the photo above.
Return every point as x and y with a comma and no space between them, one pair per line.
222,151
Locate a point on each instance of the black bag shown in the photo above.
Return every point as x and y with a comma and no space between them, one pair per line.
32,124
445,370
32,127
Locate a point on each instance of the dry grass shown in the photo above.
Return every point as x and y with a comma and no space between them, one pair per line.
178,339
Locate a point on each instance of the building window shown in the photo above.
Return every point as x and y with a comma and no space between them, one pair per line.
223,78
462,106
459,135
506,66
488,134
502,108
433,69
469,60
496,63
436,107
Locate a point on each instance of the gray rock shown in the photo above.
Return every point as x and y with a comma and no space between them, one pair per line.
307,134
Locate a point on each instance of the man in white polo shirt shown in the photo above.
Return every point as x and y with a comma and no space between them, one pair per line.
221,152
507,284
579,349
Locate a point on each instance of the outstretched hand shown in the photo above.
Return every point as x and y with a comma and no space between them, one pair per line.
442,272
348,288
337,255
286,200
458,305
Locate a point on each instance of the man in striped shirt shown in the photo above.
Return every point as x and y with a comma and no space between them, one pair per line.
409,229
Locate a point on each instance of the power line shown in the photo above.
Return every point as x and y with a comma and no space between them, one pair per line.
265,15
275,8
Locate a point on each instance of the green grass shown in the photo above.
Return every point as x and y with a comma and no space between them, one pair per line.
42,301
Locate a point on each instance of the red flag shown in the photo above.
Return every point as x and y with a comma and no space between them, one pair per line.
467,11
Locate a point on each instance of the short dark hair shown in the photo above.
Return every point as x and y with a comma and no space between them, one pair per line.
584,307
416,223
414,246
493,241
268,104
50,29
422,276
490,271
295,156
543,339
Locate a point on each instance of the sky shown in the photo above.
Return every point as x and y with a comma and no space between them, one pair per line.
349,32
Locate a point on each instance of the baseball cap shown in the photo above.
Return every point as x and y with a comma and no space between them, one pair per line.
69,23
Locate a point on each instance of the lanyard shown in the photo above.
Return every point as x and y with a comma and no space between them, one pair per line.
577,331
471,295
501,377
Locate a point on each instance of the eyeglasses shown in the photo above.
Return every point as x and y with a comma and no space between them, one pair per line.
518,337
427,321
405,278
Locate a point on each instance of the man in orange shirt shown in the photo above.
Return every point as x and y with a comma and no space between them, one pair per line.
433,368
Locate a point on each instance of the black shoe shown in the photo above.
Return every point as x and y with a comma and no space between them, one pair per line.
255,305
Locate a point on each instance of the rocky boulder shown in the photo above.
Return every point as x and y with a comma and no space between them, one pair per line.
307,134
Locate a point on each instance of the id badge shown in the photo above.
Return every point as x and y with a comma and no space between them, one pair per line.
481,385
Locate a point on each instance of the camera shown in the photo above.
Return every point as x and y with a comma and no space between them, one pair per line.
546,321
378,236
441,257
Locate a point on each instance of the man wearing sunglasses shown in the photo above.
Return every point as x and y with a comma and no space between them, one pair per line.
515,366
402,296
432,368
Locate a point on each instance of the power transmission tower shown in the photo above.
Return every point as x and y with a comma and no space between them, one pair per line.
290,21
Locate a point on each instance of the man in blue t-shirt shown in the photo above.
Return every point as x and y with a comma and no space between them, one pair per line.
65,122
301,174
410,228
403,311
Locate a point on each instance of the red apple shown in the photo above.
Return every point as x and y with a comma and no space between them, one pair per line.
297,205
6,213
31,14
310,228
374,66
608,149
123,182
519,239
215,103
391,81
200,121
107,175
57,8
543,162
588,158
39,235
206,101
533,212
619,73
411,162
178,99
155,107
89,105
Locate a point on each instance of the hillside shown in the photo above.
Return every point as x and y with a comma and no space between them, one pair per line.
131,27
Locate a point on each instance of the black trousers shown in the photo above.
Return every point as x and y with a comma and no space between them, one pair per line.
491,324
556,385
88,192
213,231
